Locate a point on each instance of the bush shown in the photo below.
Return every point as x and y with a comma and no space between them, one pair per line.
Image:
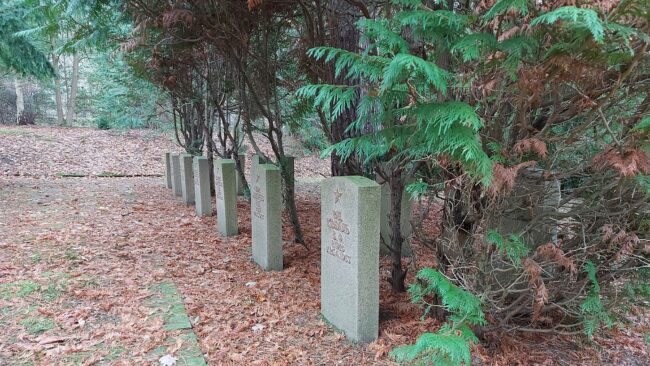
312,138
451,344
103,123
27,118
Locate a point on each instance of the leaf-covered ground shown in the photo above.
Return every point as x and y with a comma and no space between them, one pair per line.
117,271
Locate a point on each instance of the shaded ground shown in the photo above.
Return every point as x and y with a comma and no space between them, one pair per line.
38,151
116,271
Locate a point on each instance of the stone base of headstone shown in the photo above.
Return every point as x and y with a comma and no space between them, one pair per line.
203,204
176,175
350,210
226,196
266,217
187,179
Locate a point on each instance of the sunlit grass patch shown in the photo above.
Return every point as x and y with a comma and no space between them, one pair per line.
37,324
20,288
69,175
14,132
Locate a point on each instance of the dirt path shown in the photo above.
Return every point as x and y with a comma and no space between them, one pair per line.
78,280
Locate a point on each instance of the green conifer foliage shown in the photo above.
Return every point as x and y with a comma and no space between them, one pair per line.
450,345
17,52
404,105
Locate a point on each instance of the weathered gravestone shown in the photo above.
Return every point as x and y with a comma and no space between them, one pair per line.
266,217
532,205
350,209
240,183
202,186
405,219
187,179
168,169
256,160
226,196
176,174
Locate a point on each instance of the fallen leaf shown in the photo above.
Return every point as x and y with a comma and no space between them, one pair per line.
168,360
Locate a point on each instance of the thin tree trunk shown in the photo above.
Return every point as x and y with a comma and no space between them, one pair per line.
344,34
74,82
398,274
209,153
242,176
20,100
57,86
288,178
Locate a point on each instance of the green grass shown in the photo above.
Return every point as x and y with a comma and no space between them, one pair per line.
77,358
18,289
69,175
35,258
52,292
71,254
114,354
14,132
37,324
191,354
23,288
168,303
5,310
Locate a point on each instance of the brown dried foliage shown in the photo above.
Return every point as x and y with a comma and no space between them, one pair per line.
252,4
552,252
624,243
503,179
534,145
174,16
531,83
540,293
626,162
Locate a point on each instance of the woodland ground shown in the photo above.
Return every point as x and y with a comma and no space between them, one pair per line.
114,270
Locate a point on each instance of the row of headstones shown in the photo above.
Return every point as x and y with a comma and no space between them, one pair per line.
350,231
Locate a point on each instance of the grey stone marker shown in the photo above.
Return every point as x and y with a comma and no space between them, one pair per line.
534,195
176,175
168,169
202,186
187,179
350,255
226,196
405,219
256,160
266,217
240,183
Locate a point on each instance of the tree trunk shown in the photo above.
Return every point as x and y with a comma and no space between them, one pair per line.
288,178
239,170
398,274
57,86
20,101
345,35
74,83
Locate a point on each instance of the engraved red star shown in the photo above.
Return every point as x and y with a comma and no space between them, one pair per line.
337,195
